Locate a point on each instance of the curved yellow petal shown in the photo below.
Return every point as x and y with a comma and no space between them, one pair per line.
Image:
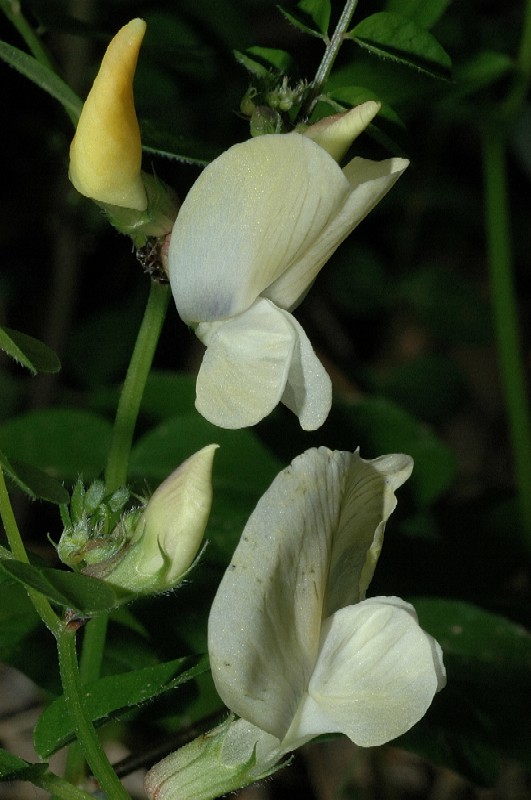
106,152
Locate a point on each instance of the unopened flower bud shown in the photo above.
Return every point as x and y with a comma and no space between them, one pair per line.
168,533
335,134
227,758
106,152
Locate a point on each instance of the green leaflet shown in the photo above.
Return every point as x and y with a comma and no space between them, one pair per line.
111,694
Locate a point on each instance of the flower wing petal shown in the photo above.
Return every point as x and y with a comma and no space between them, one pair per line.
369,181
245,220
376,675
264,625
245,368
308,391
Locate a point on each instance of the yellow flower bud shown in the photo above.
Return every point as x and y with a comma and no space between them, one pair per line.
106,152
335,134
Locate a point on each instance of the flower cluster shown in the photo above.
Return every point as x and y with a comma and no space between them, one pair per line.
251,237
296,648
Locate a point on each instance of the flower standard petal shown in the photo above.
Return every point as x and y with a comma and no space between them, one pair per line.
245,220
265,622
376,674
264,625
245,368
368,181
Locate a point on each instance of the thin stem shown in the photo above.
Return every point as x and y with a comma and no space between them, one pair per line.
40,603
524,51
94,634
12,10
83,727
511,107
60,788
133,388
332,49
505,309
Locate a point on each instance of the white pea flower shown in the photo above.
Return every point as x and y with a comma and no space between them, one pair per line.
252,235
295,648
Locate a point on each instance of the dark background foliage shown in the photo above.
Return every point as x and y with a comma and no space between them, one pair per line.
401,316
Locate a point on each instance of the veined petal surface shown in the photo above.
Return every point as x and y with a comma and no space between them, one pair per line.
376,674
368,182
246,219
245,368
264,624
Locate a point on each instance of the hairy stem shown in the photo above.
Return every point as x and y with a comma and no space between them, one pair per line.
40,603
83,727
89,670
61,789
327,62
13,12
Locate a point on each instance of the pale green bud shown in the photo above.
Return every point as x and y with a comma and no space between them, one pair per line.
233,755
336,134
265,120
168,534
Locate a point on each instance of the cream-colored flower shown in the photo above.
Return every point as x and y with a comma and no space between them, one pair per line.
106,152
295,648
250,239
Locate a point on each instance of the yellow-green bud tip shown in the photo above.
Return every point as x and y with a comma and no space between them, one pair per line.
169,533
106,152
335,134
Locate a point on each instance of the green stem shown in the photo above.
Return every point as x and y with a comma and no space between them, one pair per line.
93,643
511,107
40,603
12,11
133,388
60,788
497,216
332,49
94,634
524,51
83,728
